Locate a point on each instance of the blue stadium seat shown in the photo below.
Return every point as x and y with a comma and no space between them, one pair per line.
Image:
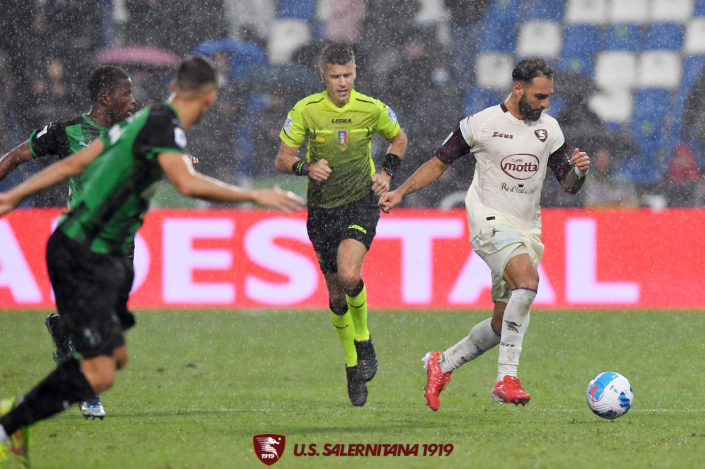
664,36
544,10
625,37
699,9
503,13
478,99
243,55
297,9
692,68
651,107
580,42
497,38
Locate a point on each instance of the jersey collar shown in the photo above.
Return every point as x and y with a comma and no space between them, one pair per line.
353,96
91,123
171,106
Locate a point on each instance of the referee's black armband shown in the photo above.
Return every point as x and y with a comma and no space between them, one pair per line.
301,168
391,164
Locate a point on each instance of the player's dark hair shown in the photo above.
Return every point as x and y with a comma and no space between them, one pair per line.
530,68
195,73
104,80
337,54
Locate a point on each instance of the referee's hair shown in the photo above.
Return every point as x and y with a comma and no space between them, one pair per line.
104,80
337,54
530,68
195,73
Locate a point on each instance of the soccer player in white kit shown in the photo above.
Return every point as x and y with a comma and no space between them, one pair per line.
513,143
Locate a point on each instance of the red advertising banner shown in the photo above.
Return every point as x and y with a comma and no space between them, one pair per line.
420,259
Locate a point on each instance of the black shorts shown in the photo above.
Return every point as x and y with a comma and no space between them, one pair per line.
91,295
328,227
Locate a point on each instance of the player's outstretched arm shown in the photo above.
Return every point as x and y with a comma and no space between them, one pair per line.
179,170
395,153
423,177
11,160
574,180
54,174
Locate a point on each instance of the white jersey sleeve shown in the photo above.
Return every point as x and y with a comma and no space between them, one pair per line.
558,139
466,128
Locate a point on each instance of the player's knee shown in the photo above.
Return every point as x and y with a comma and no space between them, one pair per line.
100,379
349,278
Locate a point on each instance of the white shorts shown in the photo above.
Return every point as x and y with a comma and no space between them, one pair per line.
499,241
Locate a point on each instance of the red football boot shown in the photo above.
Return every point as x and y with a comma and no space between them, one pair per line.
509,391
437,380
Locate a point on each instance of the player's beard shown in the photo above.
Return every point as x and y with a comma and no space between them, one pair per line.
527,112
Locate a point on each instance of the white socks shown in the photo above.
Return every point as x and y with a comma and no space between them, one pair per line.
481,339
3,435
514,325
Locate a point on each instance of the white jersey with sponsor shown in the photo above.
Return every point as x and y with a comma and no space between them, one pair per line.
512,158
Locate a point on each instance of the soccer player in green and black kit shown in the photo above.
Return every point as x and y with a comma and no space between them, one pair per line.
343,188
110,91
87,253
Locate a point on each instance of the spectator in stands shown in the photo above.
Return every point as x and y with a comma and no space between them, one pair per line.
694,114
266,134
144,16
683,181
466,30
345,19
605,188
213,142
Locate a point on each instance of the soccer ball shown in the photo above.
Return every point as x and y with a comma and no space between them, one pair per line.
609,395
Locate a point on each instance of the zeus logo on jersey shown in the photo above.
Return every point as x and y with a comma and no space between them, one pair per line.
497,134
520,166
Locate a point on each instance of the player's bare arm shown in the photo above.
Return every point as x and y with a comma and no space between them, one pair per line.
572,182
179,170
54,174
423,177
395,153
11,160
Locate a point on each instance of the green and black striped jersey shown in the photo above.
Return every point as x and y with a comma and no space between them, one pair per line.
65,138
119,183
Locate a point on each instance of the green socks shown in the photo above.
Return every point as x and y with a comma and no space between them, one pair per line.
357,306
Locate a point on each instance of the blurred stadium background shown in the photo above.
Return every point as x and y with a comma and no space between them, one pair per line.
629,78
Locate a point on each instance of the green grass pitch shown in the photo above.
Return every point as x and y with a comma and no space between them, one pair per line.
200,384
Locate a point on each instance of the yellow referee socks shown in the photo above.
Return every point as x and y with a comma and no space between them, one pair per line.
346,333
357,306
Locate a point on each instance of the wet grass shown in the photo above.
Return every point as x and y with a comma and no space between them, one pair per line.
201,384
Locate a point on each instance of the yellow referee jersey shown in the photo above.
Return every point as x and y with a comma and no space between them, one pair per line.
342,136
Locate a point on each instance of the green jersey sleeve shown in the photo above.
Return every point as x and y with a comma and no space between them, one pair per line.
388,126
293,132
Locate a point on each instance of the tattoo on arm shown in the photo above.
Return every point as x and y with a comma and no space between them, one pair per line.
572,183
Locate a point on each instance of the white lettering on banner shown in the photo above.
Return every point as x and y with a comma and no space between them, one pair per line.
476,277
260,248
142,261
180,259
417,235
581,284
14,270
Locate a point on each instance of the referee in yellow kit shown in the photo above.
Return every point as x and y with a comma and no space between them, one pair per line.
343,188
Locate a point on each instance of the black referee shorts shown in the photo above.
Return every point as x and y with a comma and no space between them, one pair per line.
328,227
91,293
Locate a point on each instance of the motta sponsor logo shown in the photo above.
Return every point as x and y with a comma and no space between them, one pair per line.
269,447
520,166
